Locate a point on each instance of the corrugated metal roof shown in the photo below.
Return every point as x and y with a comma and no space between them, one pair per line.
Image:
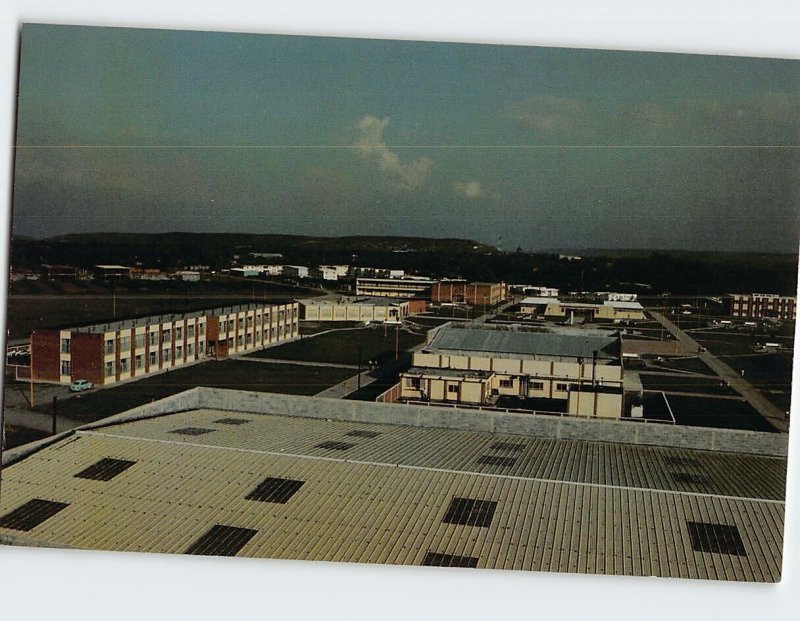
561,505
564,344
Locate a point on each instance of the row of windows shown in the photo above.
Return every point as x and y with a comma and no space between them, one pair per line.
138,361
230,324
152,339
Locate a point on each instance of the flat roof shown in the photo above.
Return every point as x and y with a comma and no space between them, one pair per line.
540,300
138,322
378,493
533,343
625,305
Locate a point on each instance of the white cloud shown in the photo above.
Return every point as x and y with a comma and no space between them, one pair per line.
469,189
370,147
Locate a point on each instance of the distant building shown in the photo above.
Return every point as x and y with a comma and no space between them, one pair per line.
474,293
330,272
147,273
387,310
59,272
408,287
763,306
247,271
621,297
188,276
295,271
554,308
106,353
577,372
537,291
112,272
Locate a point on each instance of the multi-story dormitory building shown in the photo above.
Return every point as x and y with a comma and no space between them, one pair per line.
763,305
105,353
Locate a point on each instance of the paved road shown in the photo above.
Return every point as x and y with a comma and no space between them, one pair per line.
342,389
775,416
302,363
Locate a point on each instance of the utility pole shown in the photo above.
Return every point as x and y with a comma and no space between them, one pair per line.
397,342
359,367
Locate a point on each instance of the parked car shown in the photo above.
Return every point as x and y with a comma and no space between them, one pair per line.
80,385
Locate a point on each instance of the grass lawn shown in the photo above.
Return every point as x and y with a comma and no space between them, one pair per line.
343,347
693,364
234,374
684,383
17,436
315,327
718,413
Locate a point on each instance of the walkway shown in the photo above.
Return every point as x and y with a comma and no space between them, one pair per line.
342,389
302,363
762,405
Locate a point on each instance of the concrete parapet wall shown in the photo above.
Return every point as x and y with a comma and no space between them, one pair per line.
566,428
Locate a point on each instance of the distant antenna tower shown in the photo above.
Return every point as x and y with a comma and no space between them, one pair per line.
499,243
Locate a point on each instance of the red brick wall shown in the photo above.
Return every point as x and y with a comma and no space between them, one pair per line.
417,306
87,357
45,350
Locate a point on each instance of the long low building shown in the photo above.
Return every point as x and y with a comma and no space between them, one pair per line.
609,310
272,476
360,308
105,353
578,372
406,287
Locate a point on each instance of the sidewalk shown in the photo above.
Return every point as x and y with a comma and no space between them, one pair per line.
341,390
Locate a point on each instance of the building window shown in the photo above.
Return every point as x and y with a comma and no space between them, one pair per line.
139,341
190,332
258,320
123,365
452,389
178,334
506,383
202,329
249,340
190,350
413,382
239,341
139,361
109,349
64,347
167,336
125,343
249,322
109,369
231,325
178,352
537,385
165,355
153,358
562,387
152,338
66,367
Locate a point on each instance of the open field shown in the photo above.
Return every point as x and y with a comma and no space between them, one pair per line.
684,383
17,436
48,304
719,413
315,327
232,373
343,347
679,363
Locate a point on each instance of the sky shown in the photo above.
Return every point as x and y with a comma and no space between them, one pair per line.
540,148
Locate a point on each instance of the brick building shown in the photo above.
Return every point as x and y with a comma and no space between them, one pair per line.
106,353
763,305
474,293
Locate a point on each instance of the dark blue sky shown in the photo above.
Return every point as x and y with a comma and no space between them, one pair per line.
147,130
